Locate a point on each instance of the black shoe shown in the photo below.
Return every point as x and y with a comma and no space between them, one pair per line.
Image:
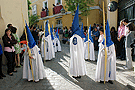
111,82
10,74
78,76
18,66
1,77
86,59
101,81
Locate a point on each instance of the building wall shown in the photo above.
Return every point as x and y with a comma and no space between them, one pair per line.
10,12
95,15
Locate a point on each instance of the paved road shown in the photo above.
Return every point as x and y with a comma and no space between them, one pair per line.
58,78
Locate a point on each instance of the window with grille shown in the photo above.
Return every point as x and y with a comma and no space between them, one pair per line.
45,4
34,10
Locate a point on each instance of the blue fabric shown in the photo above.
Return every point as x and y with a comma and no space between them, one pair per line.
52,33
31,40
46,29
86,39
57,35
108,36
82,32
41,26
1,52
96,33
75,25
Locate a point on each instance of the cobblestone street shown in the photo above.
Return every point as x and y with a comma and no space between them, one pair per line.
58,78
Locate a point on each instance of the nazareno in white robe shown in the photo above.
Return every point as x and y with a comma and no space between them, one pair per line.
37,65
77,63
91,50
49,49
57,46
111,64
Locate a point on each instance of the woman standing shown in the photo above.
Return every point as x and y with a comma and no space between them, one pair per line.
17,47
9,51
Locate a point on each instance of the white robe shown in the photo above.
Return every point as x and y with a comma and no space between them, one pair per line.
91,50
37,65
49,49
111,64
58,47
77,63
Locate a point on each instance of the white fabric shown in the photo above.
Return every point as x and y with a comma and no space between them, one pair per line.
37,65
111,64
57,48
91,51
49,49
128,58
77,63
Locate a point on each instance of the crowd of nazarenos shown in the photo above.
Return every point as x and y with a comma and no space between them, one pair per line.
46,43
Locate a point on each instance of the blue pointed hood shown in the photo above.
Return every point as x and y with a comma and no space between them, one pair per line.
86,39
82,32
57,35
31,40
46,29
51,30
75,25
108,36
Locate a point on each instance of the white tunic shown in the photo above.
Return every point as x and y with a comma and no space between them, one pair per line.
57,46
111,64
77,63
37,65
49,49
91,51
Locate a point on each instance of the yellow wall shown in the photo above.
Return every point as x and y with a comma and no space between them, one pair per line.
10,12
95,16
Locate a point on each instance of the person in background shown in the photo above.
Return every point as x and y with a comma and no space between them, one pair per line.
9,51
125,22
95,35
1,53
97,26
17,47
94,26
66,32
101,25
35,35
114,37
31,28
121,42
101,37
43,9
47,11
129,40
9,26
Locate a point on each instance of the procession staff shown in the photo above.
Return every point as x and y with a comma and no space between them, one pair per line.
105,42
88,41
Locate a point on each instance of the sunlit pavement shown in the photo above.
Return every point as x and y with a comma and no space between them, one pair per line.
57,77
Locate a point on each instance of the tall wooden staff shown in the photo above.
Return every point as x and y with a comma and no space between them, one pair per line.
88,39
44,40
104,43
52,28
29,52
